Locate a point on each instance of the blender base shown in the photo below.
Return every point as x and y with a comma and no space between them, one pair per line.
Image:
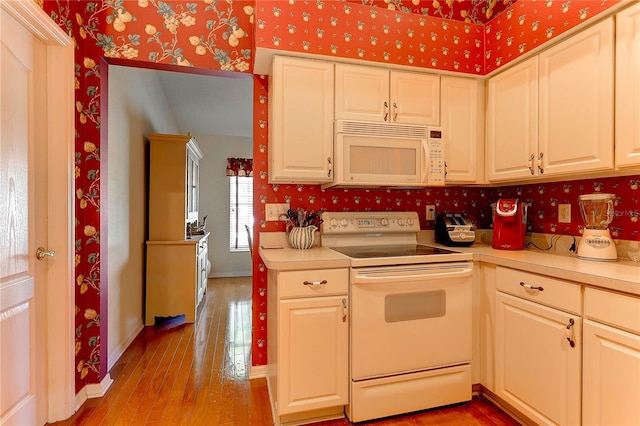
597,244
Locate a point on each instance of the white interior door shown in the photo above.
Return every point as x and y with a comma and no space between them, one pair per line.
22,225
36,206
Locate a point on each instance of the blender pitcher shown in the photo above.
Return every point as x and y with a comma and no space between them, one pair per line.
597,212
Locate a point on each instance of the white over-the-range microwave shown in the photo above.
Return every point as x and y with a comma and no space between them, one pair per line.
385,154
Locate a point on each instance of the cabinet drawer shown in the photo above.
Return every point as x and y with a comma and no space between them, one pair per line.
319,282
553,292
202,244
615,309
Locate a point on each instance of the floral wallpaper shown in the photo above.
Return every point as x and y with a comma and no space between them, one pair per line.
470,11
213,36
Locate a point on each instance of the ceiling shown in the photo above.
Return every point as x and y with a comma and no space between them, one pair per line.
208,105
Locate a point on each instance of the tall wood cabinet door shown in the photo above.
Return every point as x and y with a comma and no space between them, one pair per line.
611,376
301,121
576,103
512,122
362,93
537,371
414,98
313,354
627,144
462,102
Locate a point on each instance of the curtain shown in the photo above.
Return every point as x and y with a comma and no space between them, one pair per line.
239,167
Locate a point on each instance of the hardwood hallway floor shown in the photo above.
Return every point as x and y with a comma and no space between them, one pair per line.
198,374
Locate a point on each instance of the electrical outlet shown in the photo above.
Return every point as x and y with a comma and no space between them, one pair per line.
274,212
564,213
431,212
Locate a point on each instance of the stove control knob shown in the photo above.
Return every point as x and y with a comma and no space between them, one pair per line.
401,222
384,222
344,222
410,222
333,223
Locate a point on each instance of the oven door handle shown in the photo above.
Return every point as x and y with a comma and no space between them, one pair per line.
390,276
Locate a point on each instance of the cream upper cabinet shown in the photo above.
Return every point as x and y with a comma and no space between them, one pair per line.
627,145
376,94
552,115
462,114
576,103
301,121
512,122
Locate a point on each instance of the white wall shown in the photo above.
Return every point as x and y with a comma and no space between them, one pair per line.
214,201
137,106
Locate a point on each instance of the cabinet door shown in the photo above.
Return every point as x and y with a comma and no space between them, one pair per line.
313,354
537,371
576,103
362,93
414,98
627,144
300,121
611,376
193,185
462,103
512,122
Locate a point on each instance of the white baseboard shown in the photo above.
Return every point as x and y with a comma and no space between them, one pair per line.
93,390
257,371
117,353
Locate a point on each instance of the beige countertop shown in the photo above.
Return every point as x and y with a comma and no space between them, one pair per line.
620,275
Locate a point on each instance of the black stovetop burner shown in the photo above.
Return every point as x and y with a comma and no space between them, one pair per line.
366,252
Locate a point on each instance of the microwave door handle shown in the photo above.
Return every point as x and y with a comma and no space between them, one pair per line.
425,161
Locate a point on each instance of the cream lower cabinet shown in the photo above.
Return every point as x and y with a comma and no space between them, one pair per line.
307,349
537,369
176,278
611,360
300,121
628,88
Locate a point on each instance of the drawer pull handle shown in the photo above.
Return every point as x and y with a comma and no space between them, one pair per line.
315,284
531,287
569,333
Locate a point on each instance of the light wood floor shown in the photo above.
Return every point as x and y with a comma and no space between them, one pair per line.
198,374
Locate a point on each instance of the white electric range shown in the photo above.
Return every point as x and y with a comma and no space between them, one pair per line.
410,322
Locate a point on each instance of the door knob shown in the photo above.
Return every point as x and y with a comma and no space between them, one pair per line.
41,253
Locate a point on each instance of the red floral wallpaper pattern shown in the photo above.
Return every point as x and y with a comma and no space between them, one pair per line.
208,36
473,11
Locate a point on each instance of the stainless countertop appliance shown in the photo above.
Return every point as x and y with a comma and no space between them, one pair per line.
454,230
410,315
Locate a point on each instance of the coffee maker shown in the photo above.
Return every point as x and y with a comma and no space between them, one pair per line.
597,213
509,224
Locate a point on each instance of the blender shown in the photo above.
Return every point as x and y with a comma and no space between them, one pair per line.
597,213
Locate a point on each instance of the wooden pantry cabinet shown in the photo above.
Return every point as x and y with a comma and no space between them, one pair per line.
365,93
552,114
176,271
627,124
300,121
307,344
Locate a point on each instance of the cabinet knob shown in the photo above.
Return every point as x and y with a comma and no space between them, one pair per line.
568,333
395,112
531,164
315,284
386,110
344,310
540,168
531,287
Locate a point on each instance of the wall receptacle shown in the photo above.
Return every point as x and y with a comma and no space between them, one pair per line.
431,212
275,211
564,213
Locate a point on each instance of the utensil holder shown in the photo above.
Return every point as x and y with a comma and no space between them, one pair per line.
302,237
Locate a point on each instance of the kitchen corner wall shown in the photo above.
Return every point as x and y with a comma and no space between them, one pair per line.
201,37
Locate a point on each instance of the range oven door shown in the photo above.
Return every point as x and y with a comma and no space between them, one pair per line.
410,318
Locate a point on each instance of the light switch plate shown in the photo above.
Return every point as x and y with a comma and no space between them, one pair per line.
276,211
431,212
564,213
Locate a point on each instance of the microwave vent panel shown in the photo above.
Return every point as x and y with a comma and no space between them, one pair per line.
362,128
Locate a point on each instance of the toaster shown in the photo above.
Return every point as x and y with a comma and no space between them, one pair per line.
454,230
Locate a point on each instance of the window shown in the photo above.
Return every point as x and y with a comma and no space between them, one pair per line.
240,212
